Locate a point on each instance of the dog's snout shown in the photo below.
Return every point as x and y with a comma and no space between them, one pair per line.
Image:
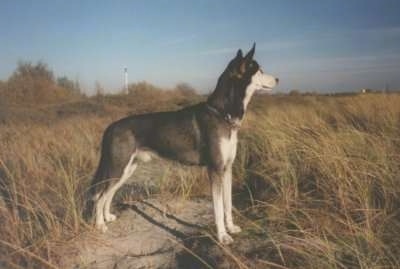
277,80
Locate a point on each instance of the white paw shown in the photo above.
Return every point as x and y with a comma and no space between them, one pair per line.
225,239
102,227
110,217
234,229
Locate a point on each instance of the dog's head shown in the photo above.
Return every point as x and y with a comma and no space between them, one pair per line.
237,84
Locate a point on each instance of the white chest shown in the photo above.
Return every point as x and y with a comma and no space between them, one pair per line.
228,148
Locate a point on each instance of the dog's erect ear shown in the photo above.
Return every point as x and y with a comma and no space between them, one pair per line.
239,54
248,58
250,54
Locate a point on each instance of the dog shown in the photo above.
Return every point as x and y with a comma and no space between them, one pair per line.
204,134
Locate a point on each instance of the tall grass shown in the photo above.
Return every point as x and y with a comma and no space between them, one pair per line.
44,170
317,180
328,173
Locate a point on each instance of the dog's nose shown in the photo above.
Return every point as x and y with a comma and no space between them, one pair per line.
277,80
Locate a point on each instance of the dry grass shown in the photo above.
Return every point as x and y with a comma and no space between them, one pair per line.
43,173
318,183
327,175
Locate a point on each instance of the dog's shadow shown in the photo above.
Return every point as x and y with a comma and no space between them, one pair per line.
178,234
200,248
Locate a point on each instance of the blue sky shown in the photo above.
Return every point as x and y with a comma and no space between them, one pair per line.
321,45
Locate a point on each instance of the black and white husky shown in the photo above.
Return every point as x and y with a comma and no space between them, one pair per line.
204,134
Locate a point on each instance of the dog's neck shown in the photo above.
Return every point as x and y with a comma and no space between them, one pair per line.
228,100
222,102
234,123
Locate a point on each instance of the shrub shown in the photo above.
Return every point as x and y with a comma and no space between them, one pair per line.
33,84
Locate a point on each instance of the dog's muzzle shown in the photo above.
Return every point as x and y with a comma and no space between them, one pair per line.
264,81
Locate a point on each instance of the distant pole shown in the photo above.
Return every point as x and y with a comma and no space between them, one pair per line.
126,80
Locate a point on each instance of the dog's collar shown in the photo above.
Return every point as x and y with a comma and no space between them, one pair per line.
226,117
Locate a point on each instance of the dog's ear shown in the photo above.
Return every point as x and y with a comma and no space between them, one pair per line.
239,54
250,54
247,59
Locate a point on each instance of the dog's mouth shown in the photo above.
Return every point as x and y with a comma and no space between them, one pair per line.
264,88
264,82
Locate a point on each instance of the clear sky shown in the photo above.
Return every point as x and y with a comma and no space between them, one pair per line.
310,45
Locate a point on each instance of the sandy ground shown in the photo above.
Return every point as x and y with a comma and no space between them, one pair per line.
147,234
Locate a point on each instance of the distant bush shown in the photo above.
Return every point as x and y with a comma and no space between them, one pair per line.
34,84
185,89
145,96
148,90
295,93
2,86
69,84
144,88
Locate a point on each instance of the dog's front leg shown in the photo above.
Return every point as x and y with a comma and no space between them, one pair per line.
216,178
227,191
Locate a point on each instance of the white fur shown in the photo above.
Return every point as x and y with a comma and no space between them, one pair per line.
144,156
228,148
100,224
259,81
227,197
222,193
103,204
217,191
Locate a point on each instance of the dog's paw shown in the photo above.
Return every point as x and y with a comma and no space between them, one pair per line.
101,227
110,217
225,239
234,229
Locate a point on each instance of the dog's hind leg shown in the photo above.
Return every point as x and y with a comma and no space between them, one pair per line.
99,206
109,194
117,164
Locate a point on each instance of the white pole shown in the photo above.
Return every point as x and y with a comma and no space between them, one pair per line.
126,79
